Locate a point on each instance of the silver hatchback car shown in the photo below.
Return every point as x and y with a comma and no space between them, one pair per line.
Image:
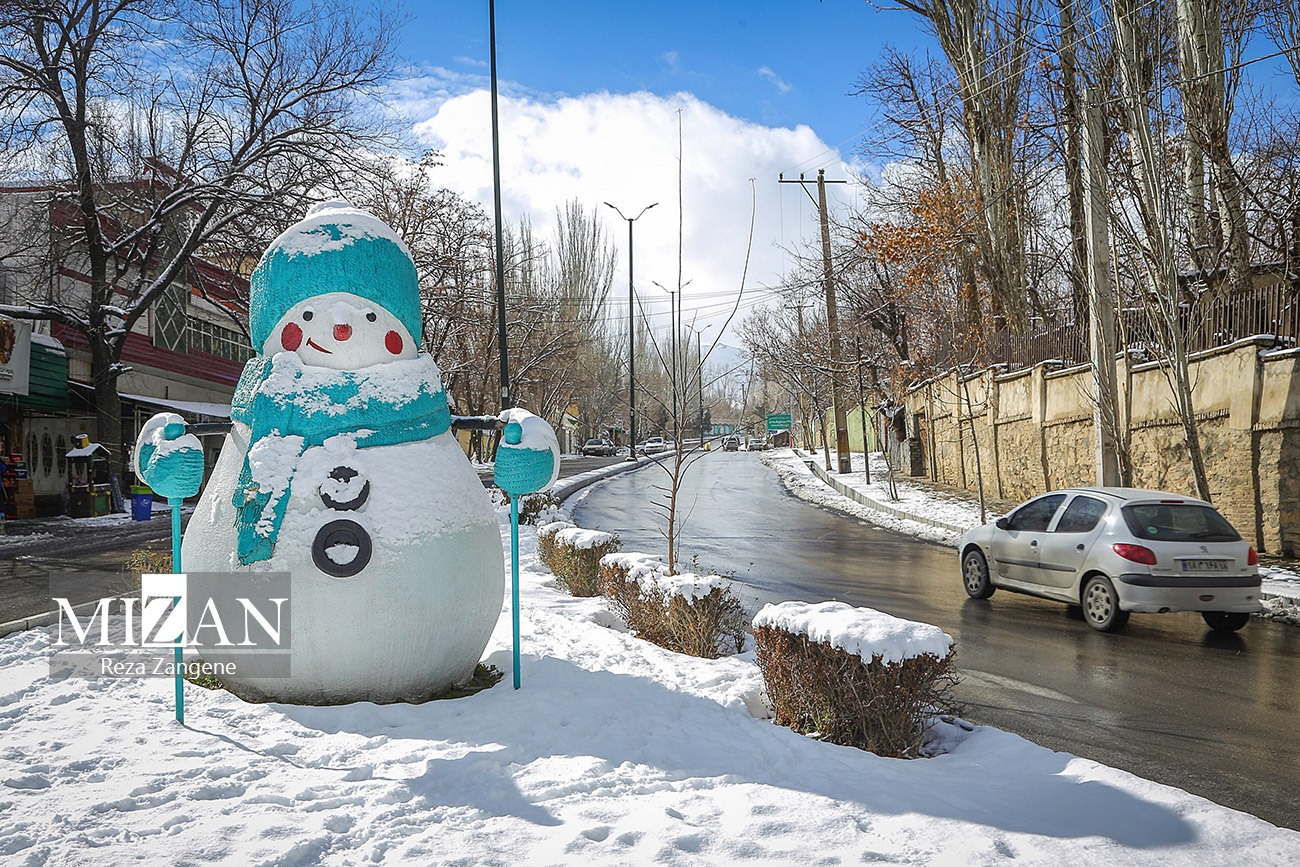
1112,551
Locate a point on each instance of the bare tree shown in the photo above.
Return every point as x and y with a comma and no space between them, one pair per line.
161,125
1155,204
985,43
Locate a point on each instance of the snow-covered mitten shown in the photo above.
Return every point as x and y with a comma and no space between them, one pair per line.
168,459
528,457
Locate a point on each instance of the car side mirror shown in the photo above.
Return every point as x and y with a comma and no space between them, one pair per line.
1001,523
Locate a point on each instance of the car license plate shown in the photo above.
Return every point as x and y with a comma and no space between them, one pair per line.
1205,565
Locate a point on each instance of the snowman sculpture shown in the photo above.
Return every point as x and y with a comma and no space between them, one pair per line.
341,469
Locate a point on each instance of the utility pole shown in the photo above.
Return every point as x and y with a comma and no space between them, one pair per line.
1101,298
832,321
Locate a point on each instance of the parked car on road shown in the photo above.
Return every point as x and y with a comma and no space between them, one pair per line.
1113,551
653,446
731,444
598,447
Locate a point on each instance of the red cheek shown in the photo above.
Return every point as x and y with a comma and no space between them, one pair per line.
393,342
291,337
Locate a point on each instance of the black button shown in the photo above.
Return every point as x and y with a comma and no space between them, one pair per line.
348,480
332,538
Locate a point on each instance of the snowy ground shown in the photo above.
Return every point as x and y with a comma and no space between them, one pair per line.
614,752
1281,585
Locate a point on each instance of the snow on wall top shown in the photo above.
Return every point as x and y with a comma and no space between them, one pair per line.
348,224
863,632
651,574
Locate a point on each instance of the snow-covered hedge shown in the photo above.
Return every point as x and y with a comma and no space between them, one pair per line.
854,676
573,555
694,614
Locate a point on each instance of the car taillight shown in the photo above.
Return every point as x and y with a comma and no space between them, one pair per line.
1252,559
1136,553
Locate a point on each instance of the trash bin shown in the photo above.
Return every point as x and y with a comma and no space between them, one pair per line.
141,503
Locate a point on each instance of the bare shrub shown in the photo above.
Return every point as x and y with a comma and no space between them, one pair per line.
546,542
882,707
538,508
706,623
576,561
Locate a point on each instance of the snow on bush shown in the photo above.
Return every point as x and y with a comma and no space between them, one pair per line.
854,676
863,632
694,614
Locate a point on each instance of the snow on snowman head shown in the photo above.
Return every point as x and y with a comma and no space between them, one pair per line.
339,289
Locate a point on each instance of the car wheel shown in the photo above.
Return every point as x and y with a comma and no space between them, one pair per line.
975,575
1225,621
1101,605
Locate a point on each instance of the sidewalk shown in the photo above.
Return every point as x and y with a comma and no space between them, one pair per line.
942,514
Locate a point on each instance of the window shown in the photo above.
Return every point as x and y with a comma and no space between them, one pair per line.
61,455
216,340
1178,522
1036,514
1081,516
47,455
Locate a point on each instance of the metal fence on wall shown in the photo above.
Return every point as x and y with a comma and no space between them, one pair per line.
1206,322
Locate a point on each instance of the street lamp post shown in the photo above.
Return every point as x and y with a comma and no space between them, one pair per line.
631,328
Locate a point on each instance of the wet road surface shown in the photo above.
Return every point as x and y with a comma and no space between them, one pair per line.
1165,699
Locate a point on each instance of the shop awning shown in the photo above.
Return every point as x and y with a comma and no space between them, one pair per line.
193,407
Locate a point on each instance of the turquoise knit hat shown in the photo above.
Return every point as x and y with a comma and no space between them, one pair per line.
335,248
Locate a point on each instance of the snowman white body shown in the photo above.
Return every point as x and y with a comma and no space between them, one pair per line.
416,618
412,615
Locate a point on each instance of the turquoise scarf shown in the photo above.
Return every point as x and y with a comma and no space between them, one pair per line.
290,407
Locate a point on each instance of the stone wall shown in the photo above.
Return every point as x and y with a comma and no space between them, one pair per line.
1033,430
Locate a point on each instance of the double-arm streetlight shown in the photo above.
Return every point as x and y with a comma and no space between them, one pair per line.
631,329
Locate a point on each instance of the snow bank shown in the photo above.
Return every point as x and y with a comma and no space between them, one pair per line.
862,632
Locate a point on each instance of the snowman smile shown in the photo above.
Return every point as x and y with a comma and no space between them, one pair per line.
316,346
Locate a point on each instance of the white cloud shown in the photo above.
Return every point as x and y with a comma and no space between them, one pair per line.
622,148
782,86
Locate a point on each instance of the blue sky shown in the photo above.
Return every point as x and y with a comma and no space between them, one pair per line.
592,93
771,62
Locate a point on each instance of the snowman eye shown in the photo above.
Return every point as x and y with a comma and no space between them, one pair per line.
307,315
371,317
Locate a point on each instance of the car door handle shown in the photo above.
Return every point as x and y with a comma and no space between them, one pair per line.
1033,543
1078,547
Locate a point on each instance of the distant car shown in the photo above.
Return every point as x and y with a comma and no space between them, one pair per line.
731,444
598,447
653,446
1113,551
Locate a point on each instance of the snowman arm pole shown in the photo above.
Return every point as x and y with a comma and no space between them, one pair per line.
476,422
178,659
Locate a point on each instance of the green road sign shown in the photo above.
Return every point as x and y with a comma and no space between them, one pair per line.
779,421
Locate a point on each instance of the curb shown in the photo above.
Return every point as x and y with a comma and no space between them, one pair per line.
863,499
47,619
565,488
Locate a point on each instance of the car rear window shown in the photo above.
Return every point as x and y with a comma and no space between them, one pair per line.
1178,522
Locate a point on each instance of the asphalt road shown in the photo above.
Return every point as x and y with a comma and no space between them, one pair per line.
1165,699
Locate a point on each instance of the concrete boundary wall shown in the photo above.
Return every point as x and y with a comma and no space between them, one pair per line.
1029,431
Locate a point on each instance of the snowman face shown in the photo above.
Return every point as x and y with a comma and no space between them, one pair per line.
341,331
